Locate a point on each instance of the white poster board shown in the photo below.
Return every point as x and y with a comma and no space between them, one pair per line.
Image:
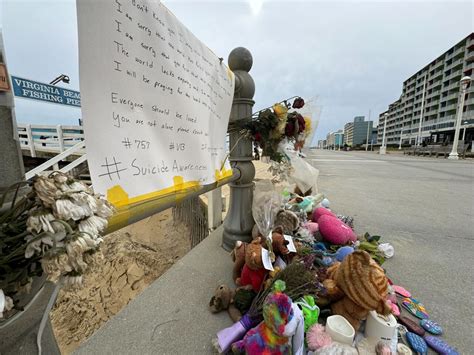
155,101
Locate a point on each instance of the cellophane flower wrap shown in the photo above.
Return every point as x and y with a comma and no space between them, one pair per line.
265,206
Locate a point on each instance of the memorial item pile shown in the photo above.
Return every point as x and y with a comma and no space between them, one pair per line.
53,231
308,284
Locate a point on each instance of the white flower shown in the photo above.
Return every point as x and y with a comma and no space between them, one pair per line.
60,178
46,242
66,209
72,282
46,190
6,303
93,225
104,209
42,221
75,250
83,198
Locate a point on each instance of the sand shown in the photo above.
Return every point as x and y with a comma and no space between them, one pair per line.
132,259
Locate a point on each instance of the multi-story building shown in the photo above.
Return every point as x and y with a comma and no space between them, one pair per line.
431,96
338,139
335,139
348,133
356,132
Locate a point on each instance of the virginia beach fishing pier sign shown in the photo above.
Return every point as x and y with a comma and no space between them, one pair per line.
30,89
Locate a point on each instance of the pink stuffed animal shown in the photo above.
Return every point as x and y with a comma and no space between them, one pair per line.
335,231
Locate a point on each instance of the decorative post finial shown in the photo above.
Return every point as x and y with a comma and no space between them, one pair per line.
239,220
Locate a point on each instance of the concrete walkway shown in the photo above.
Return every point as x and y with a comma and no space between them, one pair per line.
171,316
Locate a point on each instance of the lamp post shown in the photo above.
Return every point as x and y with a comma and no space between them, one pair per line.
383,147
464,131
422,109
367,139
400,144
462,92
63,77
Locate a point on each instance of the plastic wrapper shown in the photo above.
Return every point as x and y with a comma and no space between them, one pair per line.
266,204
303,174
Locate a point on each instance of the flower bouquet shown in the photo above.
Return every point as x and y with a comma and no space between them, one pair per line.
269,127
54,229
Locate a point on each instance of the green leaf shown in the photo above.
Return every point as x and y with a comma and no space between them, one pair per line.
373,238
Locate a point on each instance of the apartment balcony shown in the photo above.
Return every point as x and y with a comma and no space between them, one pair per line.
469,66
452,96
454,64
456,75
448,108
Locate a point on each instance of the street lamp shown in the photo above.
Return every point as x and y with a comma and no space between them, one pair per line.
64,78
464,132
383,147
462,92
400,144
421,110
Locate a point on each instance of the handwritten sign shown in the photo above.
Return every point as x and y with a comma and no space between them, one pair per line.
4,83
155,101
35,90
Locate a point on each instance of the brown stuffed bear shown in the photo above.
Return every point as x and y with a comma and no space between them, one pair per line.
279,243
253,273
357,285
224,299
238,257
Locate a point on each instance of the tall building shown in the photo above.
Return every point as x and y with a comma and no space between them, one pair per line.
335,139
432,94
348,133
355,133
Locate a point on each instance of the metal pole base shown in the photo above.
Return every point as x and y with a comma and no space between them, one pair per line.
453,156
383,150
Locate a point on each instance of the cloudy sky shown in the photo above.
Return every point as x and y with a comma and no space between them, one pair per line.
349,57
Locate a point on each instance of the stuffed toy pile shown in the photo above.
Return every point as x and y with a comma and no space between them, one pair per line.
335,299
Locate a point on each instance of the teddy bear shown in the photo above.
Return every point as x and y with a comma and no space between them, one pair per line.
356,286
253,273
280,332
238,257
223,299
279,243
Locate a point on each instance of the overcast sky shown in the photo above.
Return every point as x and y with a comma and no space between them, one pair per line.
351,56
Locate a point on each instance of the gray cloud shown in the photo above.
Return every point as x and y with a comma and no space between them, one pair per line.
353,55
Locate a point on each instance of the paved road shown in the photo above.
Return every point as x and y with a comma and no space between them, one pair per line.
425,208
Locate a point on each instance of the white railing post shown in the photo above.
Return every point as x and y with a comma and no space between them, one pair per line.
59,130
31,142
214,208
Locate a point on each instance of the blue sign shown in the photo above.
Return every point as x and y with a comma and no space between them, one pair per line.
44,92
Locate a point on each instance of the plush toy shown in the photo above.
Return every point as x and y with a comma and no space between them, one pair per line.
223,299
335,231
238,257
288,220
321,211
253,273
317,337
310,311
312,227
279,244
357,285
272,336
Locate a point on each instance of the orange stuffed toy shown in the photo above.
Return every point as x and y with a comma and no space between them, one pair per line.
356,286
